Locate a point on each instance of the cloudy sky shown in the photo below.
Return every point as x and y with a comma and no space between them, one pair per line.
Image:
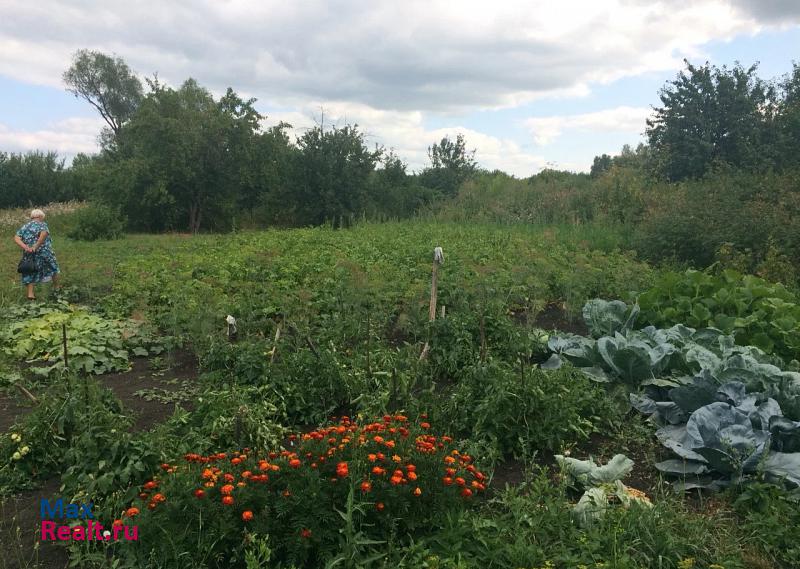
530,83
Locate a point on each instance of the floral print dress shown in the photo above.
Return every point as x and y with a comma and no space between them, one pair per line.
45,258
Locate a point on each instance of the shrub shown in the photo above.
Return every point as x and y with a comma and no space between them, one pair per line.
342,487
97,222
524,411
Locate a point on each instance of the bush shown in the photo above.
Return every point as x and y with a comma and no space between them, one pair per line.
527,411
343,488
97,222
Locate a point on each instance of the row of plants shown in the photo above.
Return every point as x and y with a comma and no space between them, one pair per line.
38,334
756,312
723,409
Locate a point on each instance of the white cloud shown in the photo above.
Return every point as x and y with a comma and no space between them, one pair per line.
620,119
388,65
425,55
67,137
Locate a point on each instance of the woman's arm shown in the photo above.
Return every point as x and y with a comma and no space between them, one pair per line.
42,237
18,240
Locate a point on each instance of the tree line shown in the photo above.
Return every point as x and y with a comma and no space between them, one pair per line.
177,158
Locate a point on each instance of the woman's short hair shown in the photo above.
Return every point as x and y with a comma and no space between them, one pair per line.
37,213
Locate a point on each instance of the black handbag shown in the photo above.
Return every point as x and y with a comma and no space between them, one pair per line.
27,265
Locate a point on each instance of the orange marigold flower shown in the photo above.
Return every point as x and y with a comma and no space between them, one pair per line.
294,463
366,486
247,515
381,456
412,475
395,480
144,495
286,493
341,469
379,506
460,481
131,512
411,468
165,466
150,485
199,493
305,533
208,474
246,474
229,477
371,457
208,484
378,439
159,498
227,500
447,481
241,484
390,444
226,490
425,425
466,492
236,460
378,471
417,491
117,523
449,460
151,506
397,458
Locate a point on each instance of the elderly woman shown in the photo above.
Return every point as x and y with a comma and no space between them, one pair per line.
34,239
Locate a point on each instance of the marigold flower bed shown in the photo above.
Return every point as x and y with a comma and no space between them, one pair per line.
388,477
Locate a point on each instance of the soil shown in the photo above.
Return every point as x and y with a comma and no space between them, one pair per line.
19,531
12,407
141,376
554,317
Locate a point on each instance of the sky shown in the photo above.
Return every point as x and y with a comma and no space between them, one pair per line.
531,84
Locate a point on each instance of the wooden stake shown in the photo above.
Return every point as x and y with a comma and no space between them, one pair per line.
434,291
64,339
275,344
438,259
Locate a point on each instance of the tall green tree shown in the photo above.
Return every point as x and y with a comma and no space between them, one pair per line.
332,175
451,164
186,156
106,83
709,115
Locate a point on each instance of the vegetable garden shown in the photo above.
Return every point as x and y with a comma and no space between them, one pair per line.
568,407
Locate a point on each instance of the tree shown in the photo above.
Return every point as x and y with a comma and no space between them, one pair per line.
332,175
710,115
600,165
451,165
183,155
106,83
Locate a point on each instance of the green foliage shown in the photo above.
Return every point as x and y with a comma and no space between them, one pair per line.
710,115
771,520
51,428
97,222
754,311
240,416
34,178
750,214
106,83
344,489
451,165
526,411
94,344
